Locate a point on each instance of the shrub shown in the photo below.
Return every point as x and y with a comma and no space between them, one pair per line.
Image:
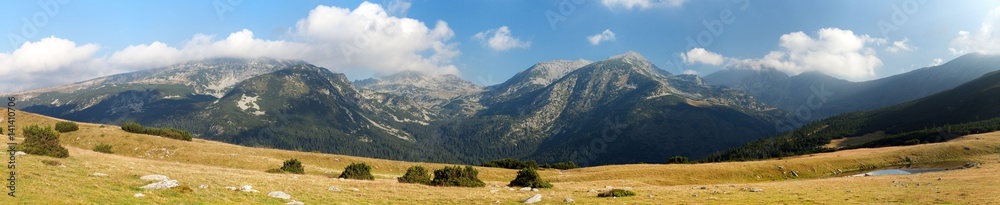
456,176
357,171
103,148
677,160
168,132
562,165
43,141
511,164
616,193
416,174
528,177
67,126
293,166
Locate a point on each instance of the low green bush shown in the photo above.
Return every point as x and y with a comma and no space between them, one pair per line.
67,126
456,176
357,171
417,175
103,148
528,177
42,141
293,166
616,193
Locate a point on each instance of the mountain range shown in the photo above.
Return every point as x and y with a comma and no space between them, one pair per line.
622,109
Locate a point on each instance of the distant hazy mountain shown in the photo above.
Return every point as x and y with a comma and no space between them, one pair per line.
793,93
620,110
966,109
430,92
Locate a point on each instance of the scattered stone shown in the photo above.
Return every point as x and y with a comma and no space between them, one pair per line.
511,189
494,191
203,186
138,195
781,168
98,174
354,189
794,173
231,188
19,153
650,196
154,177
534,189
756,190
293,202
591,191
533,199
498,201
247,188
280,195
569,200
162,185
333,188
525,189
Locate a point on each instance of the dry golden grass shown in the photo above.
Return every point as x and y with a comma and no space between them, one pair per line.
854,141
219,165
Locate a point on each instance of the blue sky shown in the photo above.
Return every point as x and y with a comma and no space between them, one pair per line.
78,40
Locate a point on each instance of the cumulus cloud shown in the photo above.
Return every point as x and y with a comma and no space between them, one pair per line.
900,46
700,55
641,4
986,40
937,62
834,51
596,39
48,60
340,39
499,39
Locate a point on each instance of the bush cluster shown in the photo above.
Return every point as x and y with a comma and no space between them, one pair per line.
357,171
416,174
528,177
511,164
456,176
293,166
67,126
103,148
162,132
42,141
616,193
562,165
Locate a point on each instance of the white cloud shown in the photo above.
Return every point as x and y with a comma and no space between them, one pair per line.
986,40
900,46
596,39
641,4
835,52
937,62
700,55
336,38
499,39
399,7
690,72
49,60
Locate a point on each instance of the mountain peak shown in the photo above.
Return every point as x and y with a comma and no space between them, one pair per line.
629,56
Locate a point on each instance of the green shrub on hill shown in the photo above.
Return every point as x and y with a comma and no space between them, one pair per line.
528,177
357,171
67,126
42,141
616,193
293,166
416,174
511,164
456,176
162,132
103,148
562,165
